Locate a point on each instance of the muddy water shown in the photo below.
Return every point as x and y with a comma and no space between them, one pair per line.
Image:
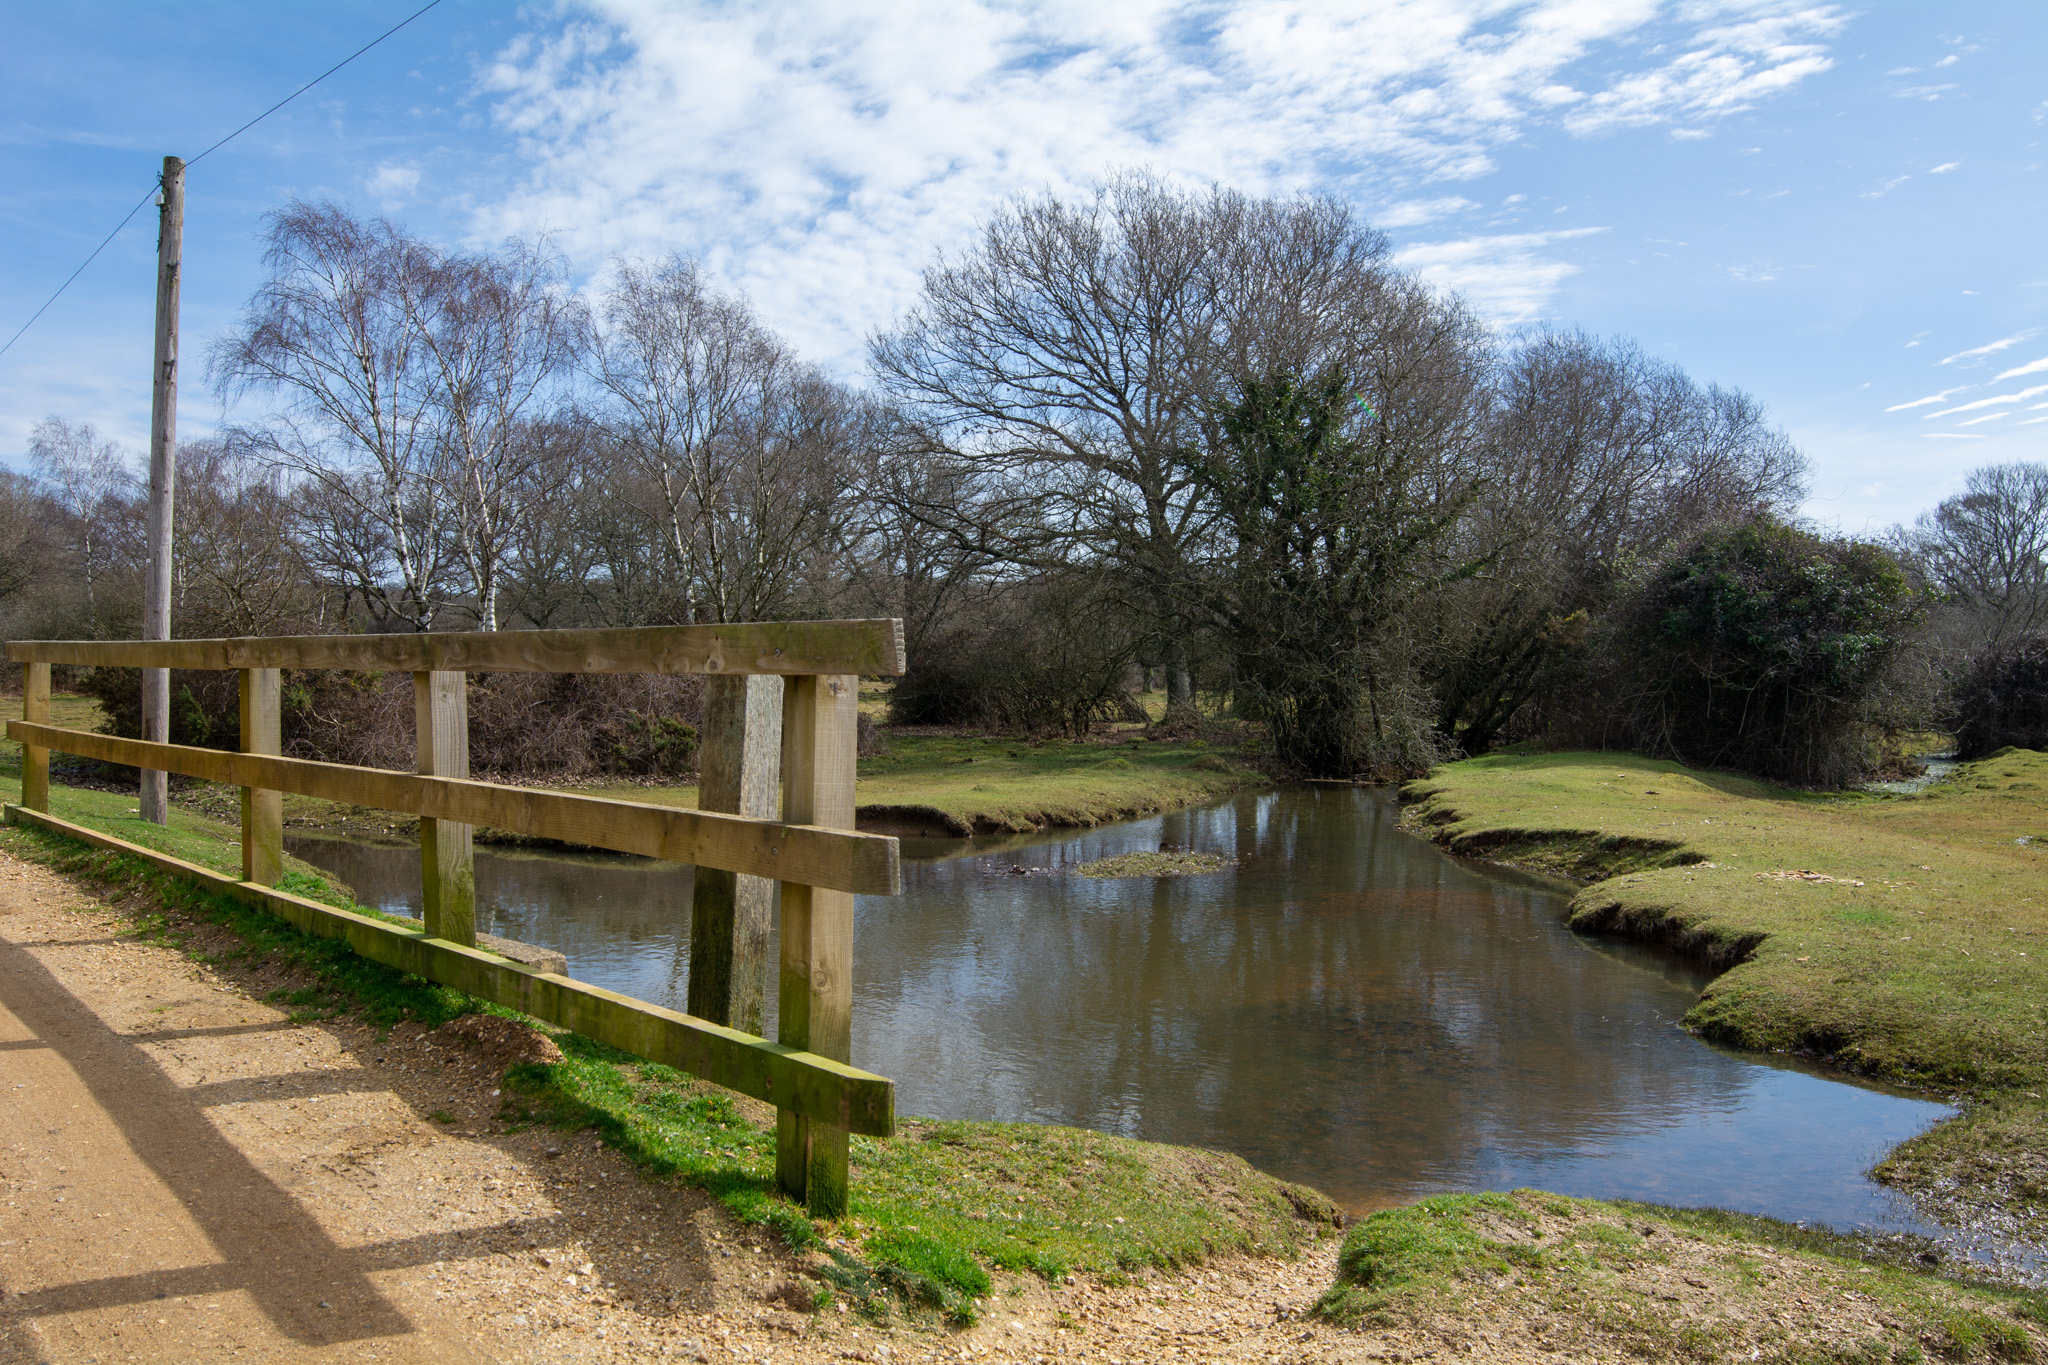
1346,1007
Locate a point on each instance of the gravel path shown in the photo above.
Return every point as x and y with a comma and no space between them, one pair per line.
185,1175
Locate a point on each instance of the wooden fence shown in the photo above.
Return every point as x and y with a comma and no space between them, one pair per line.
812,851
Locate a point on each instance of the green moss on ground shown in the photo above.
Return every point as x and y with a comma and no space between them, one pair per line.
1573,1277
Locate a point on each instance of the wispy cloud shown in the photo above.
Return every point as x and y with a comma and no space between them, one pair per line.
2022,396
1988,417
1991,348
394,182
1507,277
2031,367
817,155
1944,168
1931,398
1954,435
1416,212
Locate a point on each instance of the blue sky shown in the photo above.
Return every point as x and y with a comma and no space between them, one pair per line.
1838,208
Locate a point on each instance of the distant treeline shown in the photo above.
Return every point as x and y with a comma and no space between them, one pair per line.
1214,439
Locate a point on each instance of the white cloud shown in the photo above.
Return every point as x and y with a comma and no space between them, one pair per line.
1505,277
1955,435
817,156
1886,187
394,182
1941,397
1991,348
1988,417
1690,134
1944,168
1416,212
2031,367
2019,397
1950,60
1929,93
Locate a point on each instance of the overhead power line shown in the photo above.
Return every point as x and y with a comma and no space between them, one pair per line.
192,161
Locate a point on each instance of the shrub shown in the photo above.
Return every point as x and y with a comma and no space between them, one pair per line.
520,724
1049,655
1762,647
2003,700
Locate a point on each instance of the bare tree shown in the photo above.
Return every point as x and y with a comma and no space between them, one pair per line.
744,448
333,334
25,538
1599,458
238,570
558,526
1068,362
1986,551
495,333
88,478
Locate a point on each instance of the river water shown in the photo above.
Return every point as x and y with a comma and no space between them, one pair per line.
1347,1006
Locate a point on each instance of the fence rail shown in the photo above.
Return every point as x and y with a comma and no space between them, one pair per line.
813,853
790,648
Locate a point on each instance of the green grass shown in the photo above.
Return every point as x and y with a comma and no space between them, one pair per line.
935,1209
1924,961
997,785
975,784
1584,1276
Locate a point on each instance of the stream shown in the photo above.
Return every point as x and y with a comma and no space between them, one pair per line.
1347,1006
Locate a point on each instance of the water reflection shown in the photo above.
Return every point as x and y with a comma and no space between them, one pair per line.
1348,1007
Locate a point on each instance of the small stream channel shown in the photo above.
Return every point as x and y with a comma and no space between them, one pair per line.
1348,1007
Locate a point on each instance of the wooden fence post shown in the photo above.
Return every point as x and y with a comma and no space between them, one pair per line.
35,759
815,999
447,865
262,810
729,911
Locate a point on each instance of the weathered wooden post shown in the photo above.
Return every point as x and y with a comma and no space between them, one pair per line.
447,865
815,1000
35,759
262,811
739,770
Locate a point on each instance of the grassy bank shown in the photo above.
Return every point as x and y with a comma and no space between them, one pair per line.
950,785
1579,1278
1904,937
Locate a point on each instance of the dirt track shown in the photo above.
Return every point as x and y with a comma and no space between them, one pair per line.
185,1175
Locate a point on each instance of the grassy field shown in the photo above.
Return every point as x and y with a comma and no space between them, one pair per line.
1905,937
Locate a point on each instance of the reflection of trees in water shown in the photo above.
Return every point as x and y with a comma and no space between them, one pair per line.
623,923
1351,1006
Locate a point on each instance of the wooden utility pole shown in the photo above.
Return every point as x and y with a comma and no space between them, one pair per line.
163,476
